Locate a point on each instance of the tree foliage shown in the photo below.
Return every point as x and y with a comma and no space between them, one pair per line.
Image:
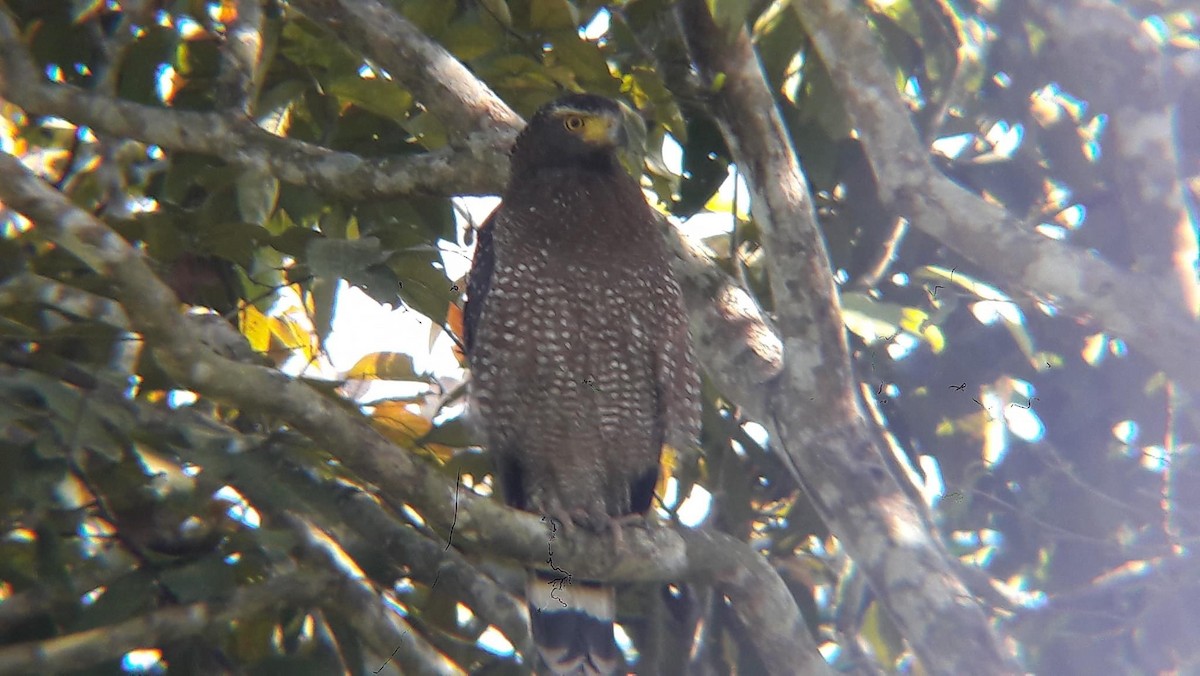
988,431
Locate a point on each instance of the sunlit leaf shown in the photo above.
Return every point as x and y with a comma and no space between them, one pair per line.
289,336
399,424
256,326
383,366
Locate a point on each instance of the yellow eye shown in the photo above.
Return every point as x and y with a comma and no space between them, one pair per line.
573,122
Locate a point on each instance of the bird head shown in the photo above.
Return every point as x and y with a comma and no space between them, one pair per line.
576,131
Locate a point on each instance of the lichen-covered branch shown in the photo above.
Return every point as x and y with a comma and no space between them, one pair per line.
476,166
832,451
1134,306
1098,49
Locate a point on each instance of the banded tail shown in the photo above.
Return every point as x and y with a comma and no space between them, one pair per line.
573,625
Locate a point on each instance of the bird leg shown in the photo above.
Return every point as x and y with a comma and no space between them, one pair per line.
616,523
593,519
558,518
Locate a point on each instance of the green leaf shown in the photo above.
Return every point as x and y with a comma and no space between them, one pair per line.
257,195
294,241
340,257
705,165
498,9
231,240
360,262
428,129
382,97
303,205
188,172
426,286
306,45
207,578
649,92
474,36
552,15
18,560
141,63
58,41
78,419
431,16
406,223
252,643
128,596
881,634
455,433
584,60
324,300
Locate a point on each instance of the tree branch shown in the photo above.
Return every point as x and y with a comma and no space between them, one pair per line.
482,524
829,442
477,166
1133,306
465,105
240,59
81,649
264,471
362,606
1098,50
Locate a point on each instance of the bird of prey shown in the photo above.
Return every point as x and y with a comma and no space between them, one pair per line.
580,357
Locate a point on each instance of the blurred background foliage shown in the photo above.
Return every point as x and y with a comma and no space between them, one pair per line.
1060,464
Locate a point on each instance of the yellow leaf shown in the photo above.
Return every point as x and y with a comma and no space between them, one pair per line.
400,424
292,336
917,321
256,327
384,366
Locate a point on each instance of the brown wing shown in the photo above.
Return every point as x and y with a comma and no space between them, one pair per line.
479,282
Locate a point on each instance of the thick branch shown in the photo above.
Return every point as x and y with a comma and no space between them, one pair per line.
477,166
362,606
1135,307
1097,49
737,344
75,651
438,80
264,471
828,441
481,524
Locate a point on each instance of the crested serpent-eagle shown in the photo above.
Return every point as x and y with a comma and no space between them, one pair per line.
581,362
